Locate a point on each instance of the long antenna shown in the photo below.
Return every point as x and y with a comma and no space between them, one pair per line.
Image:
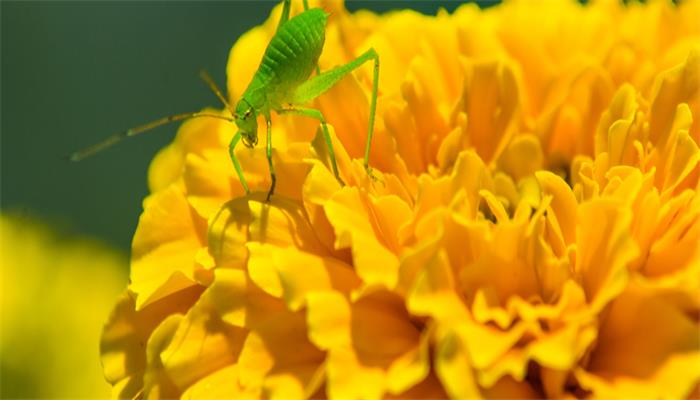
116,138
212,85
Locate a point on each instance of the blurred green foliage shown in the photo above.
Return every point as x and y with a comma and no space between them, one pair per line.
75,72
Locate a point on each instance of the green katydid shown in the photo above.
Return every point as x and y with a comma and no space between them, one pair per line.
281,84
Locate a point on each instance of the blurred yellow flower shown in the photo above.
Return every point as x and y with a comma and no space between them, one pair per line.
56,292
534,231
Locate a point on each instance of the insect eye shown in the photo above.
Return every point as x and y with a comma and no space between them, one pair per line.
247,114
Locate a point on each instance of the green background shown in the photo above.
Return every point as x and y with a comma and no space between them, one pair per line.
75,72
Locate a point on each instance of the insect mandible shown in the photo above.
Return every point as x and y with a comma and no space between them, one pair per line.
282,84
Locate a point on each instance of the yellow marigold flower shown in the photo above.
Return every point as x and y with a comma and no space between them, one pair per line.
533,231
56,292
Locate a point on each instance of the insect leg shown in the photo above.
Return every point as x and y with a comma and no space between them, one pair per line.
316,114
318,85
372,108
273,176
236,164
285,13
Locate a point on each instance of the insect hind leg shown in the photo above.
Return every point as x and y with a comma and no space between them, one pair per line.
285,13
273,175
318,85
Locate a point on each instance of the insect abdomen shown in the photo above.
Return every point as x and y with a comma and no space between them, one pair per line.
293,53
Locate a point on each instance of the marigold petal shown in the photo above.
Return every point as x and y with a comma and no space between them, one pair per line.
513,364
221,384
364,339
165,167
411,368
278,345
202,344
123,343
388,40
412,262
382,329
165,244
620,113
683,159
318,188
280,222
459,190
244,58
509,388
209,181
454,367
353,225
328,318
433,292
495,206
561,349
347,105
577,97
487,344
491,101
676,244
428,388
523,156
502,258
156,382
292,274
604,250
680,84
228,294
348,378
563,203
282,386
194,136
390,213
660,362
261,261
274,360
326,184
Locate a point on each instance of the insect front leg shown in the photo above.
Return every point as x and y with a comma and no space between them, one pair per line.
316,114
273,176
236,164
